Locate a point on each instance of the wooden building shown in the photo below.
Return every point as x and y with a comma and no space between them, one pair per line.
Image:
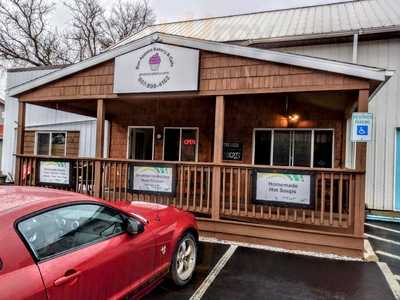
252,141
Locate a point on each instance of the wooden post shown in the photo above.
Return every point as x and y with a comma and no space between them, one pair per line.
218,144
20,140
99,146
361,154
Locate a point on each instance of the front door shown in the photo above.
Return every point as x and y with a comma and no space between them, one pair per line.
83,252
397,172
141,143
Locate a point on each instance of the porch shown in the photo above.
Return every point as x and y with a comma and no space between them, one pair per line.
219,190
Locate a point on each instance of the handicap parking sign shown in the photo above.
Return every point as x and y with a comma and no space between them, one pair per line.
362,130
361,127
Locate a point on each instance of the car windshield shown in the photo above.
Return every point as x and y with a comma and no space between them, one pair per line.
69,227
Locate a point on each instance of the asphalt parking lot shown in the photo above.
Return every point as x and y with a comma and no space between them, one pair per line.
248,273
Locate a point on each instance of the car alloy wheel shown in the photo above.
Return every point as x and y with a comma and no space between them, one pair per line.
184,261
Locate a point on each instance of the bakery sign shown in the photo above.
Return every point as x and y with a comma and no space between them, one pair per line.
157,68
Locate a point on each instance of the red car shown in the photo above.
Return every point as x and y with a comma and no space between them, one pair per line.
62,245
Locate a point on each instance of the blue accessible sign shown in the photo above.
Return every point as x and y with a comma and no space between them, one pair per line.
361,127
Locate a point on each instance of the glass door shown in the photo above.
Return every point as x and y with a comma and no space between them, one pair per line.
141,142
301,148
282,147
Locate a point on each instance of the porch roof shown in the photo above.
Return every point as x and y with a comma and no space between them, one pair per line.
374,74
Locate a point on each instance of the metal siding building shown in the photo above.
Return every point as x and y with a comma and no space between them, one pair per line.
380,185
41,119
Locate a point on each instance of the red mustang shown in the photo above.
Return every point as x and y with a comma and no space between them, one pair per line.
62,245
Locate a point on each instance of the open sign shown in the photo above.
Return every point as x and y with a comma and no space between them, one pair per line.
189,142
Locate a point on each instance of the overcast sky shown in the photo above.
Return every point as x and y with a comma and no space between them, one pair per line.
175,10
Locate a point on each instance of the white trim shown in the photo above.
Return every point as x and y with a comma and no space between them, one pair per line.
50,132
312,130
140,127
230,49
180,141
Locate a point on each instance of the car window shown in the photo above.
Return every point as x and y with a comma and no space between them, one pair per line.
69,227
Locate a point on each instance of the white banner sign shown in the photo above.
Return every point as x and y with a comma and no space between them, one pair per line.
153,179
157,68
361,129
283,188
54,172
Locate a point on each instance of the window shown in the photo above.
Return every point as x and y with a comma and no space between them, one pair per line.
181,144
288,147
59,230
51,143
141,143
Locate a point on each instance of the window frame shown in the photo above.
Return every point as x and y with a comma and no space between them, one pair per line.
180,141
74,249
141,127
312,130
50,141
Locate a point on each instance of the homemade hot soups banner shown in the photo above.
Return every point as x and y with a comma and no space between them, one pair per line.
157,68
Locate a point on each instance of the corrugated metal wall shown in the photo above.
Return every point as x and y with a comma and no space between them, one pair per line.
43,118
386,109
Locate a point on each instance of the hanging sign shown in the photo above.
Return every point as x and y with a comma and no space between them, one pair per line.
55,173
153,179
361,129
283,188
233,151
157,68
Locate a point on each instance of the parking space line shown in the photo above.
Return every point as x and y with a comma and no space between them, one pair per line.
198,294
390,279
382,227
388,254
382,239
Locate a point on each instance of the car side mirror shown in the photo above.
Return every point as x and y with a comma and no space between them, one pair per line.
134,227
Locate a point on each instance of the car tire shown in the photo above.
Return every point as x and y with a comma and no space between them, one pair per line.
184,260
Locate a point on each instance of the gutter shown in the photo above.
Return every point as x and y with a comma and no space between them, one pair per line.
304,37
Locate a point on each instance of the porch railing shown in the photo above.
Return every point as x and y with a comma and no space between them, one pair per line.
337,192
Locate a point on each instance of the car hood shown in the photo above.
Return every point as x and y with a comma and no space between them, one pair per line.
149,211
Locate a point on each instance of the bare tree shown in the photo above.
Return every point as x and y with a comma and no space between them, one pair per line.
25,38
126,18
87,31
93,30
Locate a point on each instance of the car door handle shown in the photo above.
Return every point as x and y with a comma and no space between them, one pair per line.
69,276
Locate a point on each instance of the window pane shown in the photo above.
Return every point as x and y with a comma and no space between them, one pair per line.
189,145
141,143
262,147
62,229
171,144
58,144
323,142
43,143
281,148
302,148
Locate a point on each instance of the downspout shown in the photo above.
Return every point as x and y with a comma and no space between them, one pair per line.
355,48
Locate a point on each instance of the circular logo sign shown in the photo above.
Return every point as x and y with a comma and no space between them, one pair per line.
154,67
